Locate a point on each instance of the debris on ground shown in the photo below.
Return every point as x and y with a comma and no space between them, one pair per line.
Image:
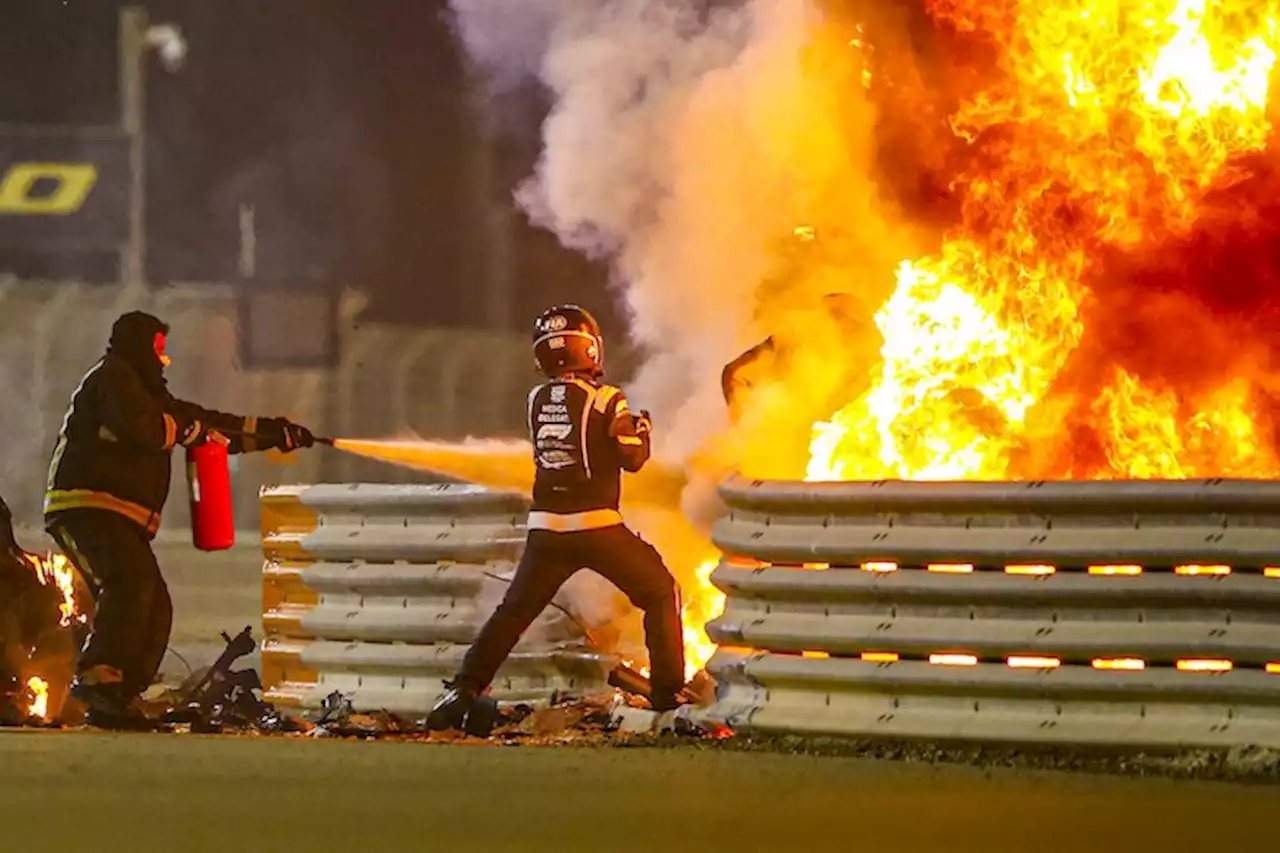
620,714
222,699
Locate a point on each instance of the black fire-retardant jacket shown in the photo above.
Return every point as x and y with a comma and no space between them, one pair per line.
584,436
113,448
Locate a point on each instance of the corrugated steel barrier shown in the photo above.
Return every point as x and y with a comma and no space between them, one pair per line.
1134,613
375,591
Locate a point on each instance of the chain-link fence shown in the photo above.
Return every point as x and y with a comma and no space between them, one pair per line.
389,381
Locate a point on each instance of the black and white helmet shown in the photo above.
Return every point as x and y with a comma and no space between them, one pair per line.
567,339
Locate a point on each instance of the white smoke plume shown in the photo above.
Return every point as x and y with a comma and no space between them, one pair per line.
687,145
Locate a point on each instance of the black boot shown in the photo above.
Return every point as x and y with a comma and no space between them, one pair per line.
668,700
107,706
450,712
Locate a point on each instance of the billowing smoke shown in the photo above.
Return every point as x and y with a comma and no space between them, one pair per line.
698,147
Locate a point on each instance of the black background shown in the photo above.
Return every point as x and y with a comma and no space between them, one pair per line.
344,122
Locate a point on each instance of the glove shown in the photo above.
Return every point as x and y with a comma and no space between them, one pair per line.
296,435
644,423
284,435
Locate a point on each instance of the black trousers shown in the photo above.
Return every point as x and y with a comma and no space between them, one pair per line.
550,559
133,613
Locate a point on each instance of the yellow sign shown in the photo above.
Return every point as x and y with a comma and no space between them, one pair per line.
69,185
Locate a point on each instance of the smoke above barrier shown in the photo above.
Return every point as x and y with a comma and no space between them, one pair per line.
692,144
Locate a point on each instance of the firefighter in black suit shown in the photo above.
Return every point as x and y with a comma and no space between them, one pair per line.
108,482
584,436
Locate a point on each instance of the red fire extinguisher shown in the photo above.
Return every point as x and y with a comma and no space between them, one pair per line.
213,525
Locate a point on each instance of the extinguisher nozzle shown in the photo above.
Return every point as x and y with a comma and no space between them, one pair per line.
328,442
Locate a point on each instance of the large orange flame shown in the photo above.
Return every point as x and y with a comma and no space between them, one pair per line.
1107,131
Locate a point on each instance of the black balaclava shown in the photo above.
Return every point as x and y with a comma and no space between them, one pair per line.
133,339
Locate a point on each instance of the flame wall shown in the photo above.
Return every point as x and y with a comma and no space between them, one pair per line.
1049,226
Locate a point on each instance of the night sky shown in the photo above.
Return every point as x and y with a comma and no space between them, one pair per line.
346,123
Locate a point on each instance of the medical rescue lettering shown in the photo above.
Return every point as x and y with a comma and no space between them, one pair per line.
555,444
60,188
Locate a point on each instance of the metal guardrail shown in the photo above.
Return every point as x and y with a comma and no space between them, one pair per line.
1124,613
375,591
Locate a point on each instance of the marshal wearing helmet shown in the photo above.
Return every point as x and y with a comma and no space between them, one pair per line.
584,436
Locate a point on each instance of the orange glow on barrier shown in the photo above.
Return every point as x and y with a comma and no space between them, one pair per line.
951,568
880,657
1029,569
1125,664
1205,666
1029,662
880,566
815,655
1202,570
1273,668
817,566
1271,572
953,660
1128,570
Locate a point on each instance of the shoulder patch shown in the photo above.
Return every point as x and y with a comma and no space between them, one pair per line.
605,396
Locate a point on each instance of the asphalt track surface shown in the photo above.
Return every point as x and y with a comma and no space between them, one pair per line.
73,791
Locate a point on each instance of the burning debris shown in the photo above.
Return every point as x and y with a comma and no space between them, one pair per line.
55,570
41,627
38,689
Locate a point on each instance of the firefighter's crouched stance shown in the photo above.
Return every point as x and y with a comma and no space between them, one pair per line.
108,482
584,435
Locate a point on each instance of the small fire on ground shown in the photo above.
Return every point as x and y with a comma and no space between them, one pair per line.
53,570
38,689
57,570
700,603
